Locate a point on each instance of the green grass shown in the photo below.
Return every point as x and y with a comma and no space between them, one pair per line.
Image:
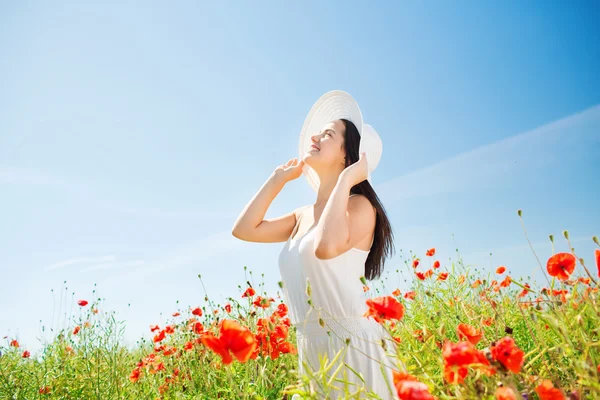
558,333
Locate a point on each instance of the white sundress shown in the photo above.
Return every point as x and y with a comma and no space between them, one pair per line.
337,292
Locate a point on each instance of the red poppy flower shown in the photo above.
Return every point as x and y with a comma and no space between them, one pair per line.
410,295
176,314
385,307
561,265
469,333
396,292
14,343
26,354
233,338
415,263
430,252
197,311
159,337
505,393
508,354
44,390
420,275
506,282
442,276
436,264
82,303
547,391
365,288
249,292
228,308
76,330
170,329
282,310
198,328
500,270
262,302
597,255
476,283
413,390
135,374
154,328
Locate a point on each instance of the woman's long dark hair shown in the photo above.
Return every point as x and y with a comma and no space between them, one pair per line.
383,243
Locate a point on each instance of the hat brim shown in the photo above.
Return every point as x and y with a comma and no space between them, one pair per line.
332,106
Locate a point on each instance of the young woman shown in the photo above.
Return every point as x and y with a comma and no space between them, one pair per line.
331,244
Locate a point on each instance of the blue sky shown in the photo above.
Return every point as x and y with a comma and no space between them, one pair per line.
132,137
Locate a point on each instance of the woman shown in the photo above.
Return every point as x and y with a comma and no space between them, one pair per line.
331,244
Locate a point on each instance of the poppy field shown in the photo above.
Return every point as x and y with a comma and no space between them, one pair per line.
459,333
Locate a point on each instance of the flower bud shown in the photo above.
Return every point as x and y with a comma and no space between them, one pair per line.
566,234
520,213
595,239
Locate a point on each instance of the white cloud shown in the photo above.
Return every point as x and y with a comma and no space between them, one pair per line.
481,166
114,265
79,261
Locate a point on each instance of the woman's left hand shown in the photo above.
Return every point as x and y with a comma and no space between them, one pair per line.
357,172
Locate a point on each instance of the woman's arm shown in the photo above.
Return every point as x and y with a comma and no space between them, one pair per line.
344,222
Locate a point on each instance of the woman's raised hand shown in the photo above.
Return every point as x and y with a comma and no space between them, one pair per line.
289,171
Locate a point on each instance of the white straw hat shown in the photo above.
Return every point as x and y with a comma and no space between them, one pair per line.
334,105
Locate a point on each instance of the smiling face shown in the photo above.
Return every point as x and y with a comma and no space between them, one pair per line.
327,147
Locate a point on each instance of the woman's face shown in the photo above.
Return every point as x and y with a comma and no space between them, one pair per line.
327,146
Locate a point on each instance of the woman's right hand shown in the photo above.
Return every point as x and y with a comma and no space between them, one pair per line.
289,171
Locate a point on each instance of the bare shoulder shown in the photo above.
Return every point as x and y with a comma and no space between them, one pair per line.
360,206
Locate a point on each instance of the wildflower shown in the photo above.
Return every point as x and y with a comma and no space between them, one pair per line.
188,346
443,276
430,252
365,288
436,264
176,314
197,311
476,283
500,270
14,343
428,273
420,275
469,333
135,374
597,256
396,292
561,265
410,295
249,292
505,393
282,310
95,310
228,308
44,390
76,330
386,307
488,321
82,303
170,329
159,336
508,354
525,290
262,302
457,356
413,390
233,338
154,328
506,282
547,391
26,354
198,328
415,263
